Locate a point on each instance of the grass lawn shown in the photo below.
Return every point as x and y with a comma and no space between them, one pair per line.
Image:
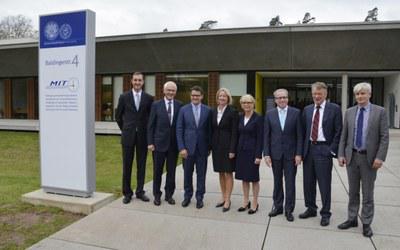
21,224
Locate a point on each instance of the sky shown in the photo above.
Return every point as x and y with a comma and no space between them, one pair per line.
120,17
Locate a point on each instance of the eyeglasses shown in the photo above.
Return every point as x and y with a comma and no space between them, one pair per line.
196,95
281,98
246,102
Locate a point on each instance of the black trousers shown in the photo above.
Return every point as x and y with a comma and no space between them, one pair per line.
159,158
287,169
318,168
127,160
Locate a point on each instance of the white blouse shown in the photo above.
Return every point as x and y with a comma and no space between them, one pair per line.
220,113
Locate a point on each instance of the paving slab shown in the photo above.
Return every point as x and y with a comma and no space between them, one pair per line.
282,238
131,229
386,242
50,243
386,221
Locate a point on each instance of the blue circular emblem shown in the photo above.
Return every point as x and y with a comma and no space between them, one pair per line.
51,30
65,31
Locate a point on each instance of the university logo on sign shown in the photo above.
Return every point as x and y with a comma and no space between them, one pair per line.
63,30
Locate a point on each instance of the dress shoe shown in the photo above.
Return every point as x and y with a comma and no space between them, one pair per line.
324,221
289,217
367,231
126,199
185,202
348,224
251,211
308,213
226,209
274,212
157,201
199,204
242,209
143,197
220,204
170,200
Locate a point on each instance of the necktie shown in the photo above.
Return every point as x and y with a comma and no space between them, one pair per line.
315,124
282,118
137,100
196,115
169,112
360,124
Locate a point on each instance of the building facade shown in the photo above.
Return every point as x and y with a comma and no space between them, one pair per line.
245,60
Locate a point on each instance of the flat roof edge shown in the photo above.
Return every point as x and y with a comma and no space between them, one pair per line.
346,26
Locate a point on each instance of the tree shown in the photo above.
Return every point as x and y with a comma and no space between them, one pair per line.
12,27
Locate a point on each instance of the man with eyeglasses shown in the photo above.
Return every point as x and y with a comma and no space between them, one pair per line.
193,133
283,137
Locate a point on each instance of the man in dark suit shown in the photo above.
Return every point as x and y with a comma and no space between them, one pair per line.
363,148
161,139
193,132
132,115
282,150
322,122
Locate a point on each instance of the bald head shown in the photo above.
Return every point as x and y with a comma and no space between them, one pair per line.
170,90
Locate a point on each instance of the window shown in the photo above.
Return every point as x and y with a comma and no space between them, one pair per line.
185,82
150,84
19,98
110,91
2,99
237,85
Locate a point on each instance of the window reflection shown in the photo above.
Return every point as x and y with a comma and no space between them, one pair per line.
19,98
299,90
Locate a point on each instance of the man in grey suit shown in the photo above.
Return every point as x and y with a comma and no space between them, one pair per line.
363,147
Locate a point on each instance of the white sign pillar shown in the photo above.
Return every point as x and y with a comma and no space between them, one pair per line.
66,102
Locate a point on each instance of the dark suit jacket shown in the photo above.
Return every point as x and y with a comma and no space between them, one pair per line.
286,143
251,135
129,119
160,132
224,134
331,126
188,135
377,137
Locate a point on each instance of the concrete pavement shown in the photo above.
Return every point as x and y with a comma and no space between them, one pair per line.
140,225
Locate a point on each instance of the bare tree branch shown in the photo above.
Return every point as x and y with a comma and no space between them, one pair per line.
13,27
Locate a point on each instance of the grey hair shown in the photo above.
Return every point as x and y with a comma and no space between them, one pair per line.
319,85
281,90
362,86
170,83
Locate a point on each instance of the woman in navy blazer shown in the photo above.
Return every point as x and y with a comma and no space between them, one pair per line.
224,139
249,152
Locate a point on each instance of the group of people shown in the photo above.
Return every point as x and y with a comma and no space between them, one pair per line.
285,137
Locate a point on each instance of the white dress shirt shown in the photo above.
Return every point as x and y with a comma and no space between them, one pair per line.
321,136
